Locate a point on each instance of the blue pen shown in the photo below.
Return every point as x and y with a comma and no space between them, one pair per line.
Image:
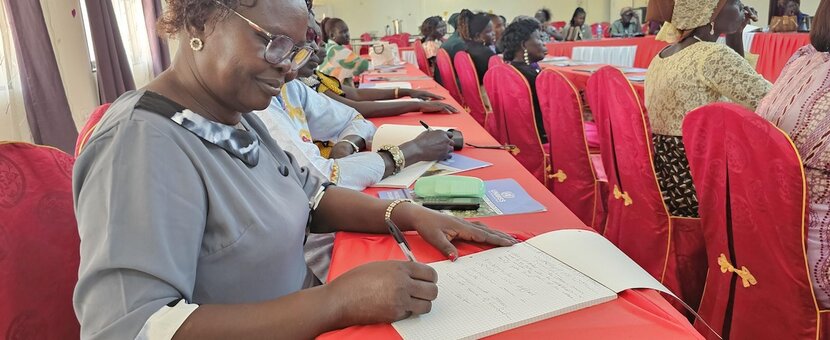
398,235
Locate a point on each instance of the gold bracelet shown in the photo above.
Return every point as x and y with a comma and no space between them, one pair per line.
388,215
397,156
354,146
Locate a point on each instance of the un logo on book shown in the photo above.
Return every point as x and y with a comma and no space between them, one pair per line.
508,195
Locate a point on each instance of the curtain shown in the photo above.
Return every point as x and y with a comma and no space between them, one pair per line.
113,68
47,109
13,123
132,26
159,51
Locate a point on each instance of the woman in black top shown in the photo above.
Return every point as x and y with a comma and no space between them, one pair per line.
477,32
523,48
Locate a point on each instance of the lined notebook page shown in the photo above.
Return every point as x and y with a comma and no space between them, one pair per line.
500,289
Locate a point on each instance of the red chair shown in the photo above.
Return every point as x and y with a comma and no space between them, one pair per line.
753,206
513,119
39,243
638,222
495,60
421,56
470,87
365,37
448,78
559,24
573,179
91,123
402,40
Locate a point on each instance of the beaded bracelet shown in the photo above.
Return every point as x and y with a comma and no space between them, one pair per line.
391,207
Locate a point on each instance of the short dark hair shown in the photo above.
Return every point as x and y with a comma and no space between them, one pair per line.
327,25
181,14
820,35
546,13
429,26
516,34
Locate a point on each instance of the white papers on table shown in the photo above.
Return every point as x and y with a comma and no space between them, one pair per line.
387,85
400,100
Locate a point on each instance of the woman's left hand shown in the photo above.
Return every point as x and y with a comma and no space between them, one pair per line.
440,229
750,15
423,95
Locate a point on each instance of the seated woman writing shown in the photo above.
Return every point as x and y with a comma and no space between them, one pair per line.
363,100
193,218
340,62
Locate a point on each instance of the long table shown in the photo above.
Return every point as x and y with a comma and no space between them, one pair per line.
635,314
644,49
774,50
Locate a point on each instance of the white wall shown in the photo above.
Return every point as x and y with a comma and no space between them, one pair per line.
373,15
69,43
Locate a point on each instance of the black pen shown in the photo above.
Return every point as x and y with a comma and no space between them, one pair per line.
425,125
398,235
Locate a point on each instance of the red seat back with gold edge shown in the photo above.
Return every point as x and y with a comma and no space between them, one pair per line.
573,179
448,79
470,87
753,205
38,243
421,56
512,120
638,222
494,61
91,123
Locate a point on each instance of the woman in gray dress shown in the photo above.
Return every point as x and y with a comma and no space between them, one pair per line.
192,219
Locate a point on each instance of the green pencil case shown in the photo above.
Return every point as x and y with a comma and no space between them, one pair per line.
449,186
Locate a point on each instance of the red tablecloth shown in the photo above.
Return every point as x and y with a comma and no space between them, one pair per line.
774,50
647,48
634,315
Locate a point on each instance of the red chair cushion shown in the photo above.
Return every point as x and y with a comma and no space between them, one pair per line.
753,211
638,221
470,87
421,56
91,123
512,120
576,183
448,79
38,243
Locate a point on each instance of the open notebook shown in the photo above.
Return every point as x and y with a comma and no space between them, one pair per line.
503,288
392,134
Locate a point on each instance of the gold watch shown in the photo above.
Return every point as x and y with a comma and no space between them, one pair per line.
397,157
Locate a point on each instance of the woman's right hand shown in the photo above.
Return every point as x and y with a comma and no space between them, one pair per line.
434,145
437,107
383,292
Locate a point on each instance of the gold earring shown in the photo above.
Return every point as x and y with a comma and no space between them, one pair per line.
712,31
196,44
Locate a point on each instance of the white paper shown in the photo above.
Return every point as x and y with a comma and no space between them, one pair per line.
595,256
500,289
400,100
387,85
406,177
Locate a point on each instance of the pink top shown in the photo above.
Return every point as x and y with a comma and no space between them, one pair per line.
799,104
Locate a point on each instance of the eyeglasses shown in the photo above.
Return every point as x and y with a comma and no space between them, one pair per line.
279,47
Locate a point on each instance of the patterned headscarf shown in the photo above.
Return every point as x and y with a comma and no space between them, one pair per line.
681,17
